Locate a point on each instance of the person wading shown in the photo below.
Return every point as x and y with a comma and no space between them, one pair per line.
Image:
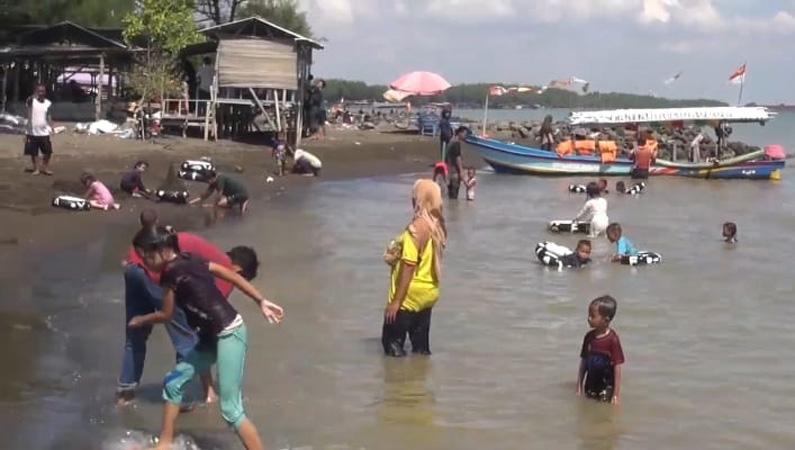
416,261
455,162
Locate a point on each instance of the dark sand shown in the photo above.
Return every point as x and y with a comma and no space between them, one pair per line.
31,225
32,228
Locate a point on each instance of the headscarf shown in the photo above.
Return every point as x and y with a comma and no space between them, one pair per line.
428,207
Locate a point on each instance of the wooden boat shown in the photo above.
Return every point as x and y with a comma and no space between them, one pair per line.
518,159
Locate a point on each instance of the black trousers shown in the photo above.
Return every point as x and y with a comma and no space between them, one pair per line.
453,185
418,327
639,174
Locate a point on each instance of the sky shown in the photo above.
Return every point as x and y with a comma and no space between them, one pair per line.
617,45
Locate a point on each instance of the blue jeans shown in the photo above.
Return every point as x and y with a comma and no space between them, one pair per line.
142,296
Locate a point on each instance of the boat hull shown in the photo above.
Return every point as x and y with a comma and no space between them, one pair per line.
516,159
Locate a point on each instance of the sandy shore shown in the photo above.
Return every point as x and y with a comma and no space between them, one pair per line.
32,227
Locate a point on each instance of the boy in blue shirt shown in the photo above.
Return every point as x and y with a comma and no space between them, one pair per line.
624,246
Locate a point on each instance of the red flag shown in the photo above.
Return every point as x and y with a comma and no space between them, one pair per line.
739,75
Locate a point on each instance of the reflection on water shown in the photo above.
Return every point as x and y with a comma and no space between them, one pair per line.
706,333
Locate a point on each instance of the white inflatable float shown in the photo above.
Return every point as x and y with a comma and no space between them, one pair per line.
196,170
569,226
635,189
551,254
172,196
71,203
642,258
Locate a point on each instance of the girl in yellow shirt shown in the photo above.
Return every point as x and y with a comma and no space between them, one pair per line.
416,269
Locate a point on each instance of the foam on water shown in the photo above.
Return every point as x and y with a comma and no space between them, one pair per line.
139,440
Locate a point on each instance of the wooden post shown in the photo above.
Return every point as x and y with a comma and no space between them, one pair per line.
15,97
262,108
278,114
3,96
98,112
299,102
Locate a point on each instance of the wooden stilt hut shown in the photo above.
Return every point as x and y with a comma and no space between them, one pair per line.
261,72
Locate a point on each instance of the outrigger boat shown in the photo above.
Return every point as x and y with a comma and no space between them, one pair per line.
513,158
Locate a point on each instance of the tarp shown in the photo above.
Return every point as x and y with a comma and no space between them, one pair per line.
257,63
395,96
720,113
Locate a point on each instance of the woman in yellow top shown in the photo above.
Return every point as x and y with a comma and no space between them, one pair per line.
416,261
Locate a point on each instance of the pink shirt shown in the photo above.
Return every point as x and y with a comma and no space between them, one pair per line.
100,193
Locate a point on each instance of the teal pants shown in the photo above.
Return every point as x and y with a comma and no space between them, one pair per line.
230,356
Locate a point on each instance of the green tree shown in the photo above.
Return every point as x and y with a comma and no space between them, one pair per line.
217,11
89,13
162,28
285,13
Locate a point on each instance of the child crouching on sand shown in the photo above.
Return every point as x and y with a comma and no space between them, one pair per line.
601,355
97,194
189,282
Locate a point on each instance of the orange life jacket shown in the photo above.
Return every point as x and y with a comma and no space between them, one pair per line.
565,148
585,147
608,150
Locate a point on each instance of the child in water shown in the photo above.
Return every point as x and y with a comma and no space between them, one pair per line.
603,186
624,246
594,210
601,355
189,282
580,257
730,232
97,194
470,183
440,173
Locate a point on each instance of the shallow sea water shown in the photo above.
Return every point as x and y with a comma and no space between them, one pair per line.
706,334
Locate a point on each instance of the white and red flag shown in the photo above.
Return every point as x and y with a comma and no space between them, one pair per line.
497,91
738,76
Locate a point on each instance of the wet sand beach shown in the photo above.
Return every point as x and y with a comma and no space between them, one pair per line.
705,333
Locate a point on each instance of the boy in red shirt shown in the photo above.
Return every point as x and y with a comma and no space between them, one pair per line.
601,356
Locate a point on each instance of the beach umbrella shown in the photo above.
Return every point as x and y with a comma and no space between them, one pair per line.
421,83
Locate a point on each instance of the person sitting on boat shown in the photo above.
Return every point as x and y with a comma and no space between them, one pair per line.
644,155
594,210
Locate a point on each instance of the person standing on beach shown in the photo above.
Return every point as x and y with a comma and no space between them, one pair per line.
317,110
445,132
416,261
37,136
455,162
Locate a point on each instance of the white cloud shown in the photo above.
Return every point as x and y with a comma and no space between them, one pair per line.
470,9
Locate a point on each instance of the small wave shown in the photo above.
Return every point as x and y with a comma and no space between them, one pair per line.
138,440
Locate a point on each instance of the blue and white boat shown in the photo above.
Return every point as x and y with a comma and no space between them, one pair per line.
506,157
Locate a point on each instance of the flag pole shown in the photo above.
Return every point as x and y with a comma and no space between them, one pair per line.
742,82
485,114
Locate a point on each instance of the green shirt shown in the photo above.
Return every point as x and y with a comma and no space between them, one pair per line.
229,186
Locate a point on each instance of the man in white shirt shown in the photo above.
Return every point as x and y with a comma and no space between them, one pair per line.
37,136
